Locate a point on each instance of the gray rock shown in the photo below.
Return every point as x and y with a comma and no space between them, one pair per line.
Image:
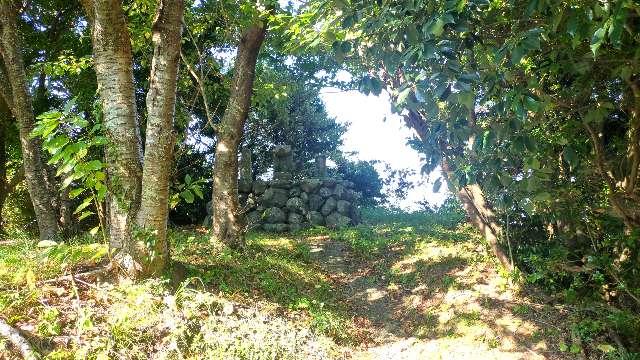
295,192
355,215
324,192
337,221
315,218
275,197
253,218
259,187
304,197
282,176
273,215
348,184
328,206
339,191
310,185
349,195
245,186
278,228
295,204
343,207
315,202
329,182
281,184
295,218
47,243
295,227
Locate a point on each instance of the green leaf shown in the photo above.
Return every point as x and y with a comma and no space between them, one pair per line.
84,215
531,104
437,27
505,178
597,39
187,179
85,203
543,196
467,99
187,195
575,348
94,230
412,34
436,185
570,156
198,191
606,348
94,165
376,86
54,145
402,96
516,55
75,193
562,346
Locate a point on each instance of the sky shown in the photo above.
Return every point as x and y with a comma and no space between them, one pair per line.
375,133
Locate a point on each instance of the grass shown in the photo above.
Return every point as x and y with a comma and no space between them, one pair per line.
274,268
272,301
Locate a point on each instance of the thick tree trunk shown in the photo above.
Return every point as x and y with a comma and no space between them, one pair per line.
160,139
114,72
227,225
35,170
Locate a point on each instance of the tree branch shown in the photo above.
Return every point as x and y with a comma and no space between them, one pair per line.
18,341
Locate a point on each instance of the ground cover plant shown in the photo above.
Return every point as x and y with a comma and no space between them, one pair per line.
173,183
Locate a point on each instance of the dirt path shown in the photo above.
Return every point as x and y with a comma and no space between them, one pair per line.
434,303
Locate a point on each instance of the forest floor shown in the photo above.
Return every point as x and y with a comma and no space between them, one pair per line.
383,290
438,299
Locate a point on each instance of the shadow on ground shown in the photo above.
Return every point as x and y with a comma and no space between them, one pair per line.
431,295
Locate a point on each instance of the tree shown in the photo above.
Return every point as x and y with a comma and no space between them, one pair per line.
19,100
226,218
137,217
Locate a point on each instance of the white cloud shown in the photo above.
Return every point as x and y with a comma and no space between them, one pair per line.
375,133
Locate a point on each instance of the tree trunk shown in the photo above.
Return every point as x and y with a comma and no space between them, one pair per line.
114,73
471,197
160,139
481,216
35,170
227,225
4,114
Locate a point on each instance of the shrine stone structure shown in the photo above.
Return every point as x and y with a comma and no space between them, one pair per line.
286,204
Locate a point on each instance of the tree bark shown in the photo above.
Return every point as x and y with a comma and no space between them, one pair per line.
18,341
35,170
227,224
160,139
471,197
4,114
114,73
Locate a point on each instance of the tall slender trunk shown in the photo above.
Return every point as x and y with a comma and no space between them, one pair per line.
114,73
139,191
160,139
4,115
481,215
227,224
471,196
35,170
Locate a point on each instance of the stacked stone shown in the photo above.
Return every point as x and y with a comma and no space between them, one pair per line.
286,205
283,204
